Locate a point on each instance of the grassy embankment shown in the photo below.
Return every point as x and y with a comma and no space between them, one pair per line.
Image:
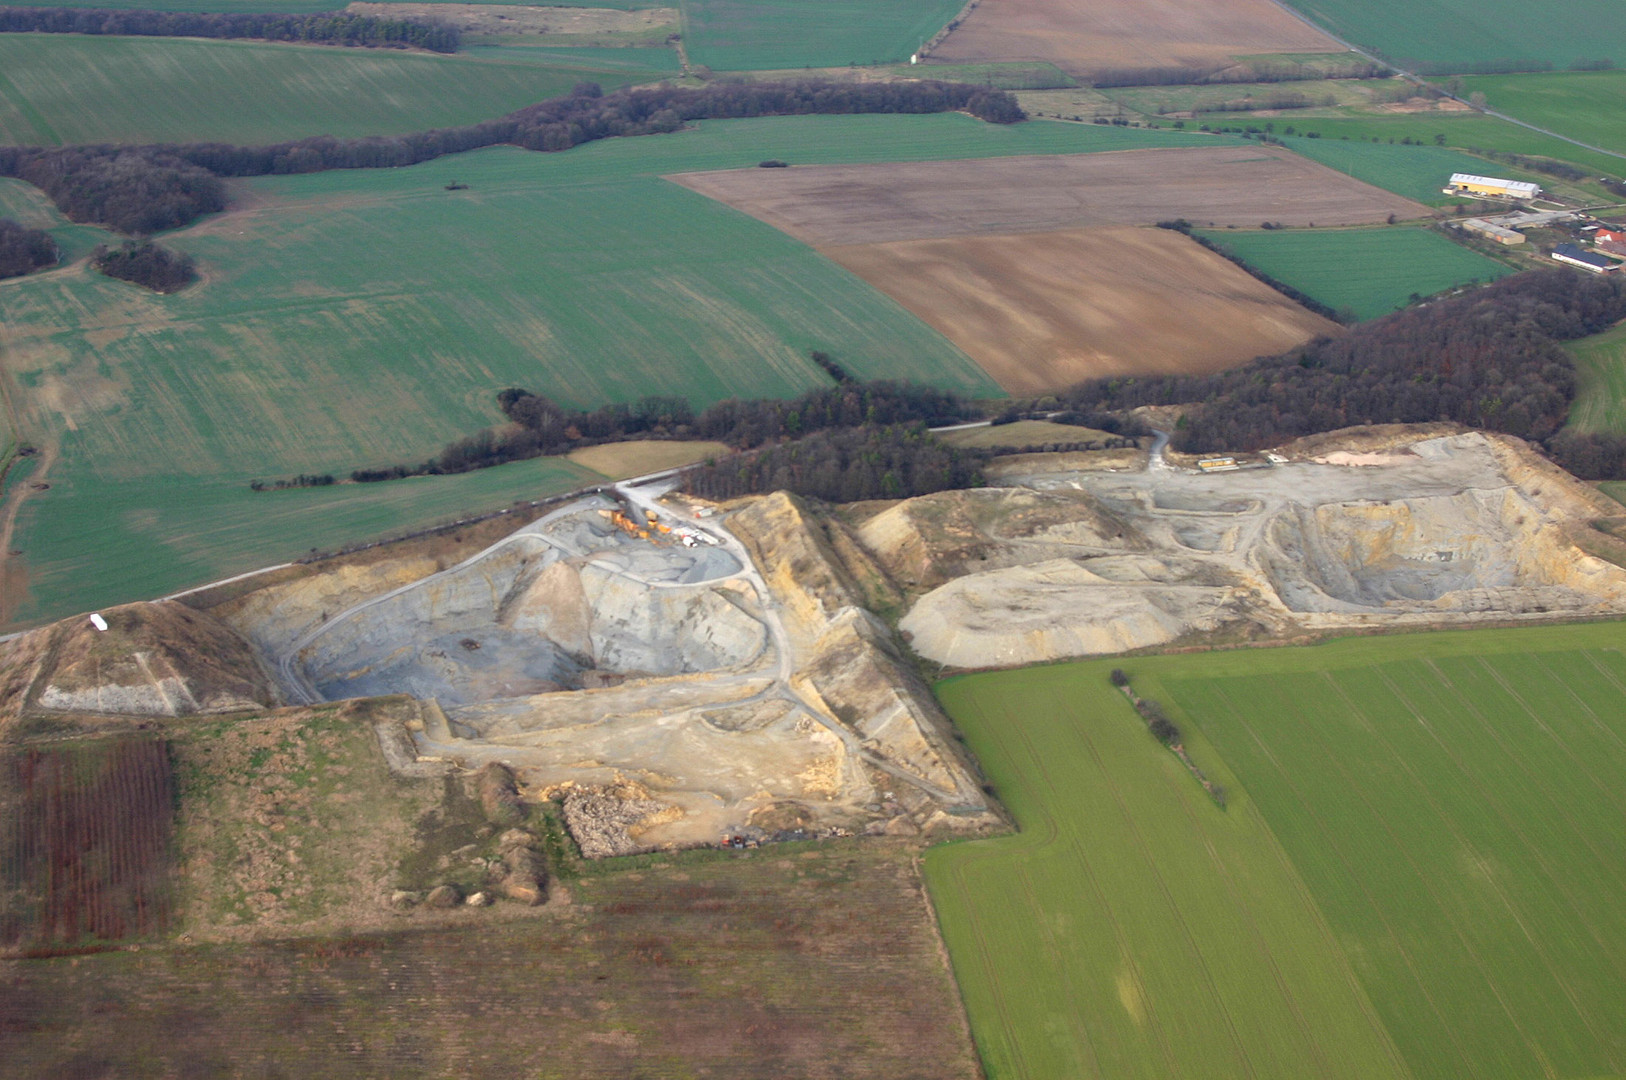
334,304
1368,271
67,89
1415,861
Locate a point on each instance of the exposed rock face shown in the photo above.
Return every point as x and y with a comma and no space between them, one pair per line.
926,541
1389,526
852,666
154,659
527,620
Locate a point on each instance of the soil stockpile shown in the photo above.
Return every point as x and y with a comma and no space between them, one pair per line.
1043,311
154,659
1220,185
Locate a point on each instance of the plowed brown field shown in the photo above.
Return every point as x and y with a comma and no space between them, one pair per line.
1219,185
1041,311
1083,37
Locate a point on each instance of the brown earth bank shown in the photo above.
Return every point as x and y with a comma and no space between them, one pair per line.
1043,311
154,659
1083,37
802,964
828,205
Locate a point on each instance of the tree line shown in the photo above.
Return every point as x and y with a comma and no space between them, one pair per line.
541,426
894,461
24,250
325,28
139,190
144,263
1488,358
1304,300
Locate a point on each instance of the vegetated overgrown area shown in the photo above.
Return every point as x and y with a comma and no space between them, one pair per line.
1362,273
24,250
327,28
69,90
1438,37
84,843
546,271
756,35
1412,876
144,263
1489,358
278,940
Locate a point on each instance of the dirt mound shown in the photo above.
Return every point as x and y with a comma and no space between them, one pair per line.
154,659
1052,609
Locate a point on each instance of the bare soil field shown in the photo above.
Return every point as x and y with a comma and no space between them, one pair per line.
515,19
1220,185
1083,37
1041,311
814,963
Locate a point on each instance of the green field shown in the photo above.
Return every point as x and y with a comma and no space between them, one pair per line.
1585,105
1417,172
1370,272
1420,852
364,317
1452,35
1132,928
1600,365
66,89
753,35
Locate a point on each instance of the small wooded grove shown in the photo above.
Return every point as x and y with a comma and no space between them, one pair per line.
894,461
144,263
324,28
140,190
1488,358
24,250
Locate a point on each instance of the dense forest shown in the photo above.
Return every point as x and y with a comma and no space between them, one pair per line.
1488,358
144,263
140,190
326,28
540,426
895,461
23,250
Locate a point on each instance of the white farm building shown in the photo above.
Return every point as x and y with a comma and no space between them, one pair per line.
1490,187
